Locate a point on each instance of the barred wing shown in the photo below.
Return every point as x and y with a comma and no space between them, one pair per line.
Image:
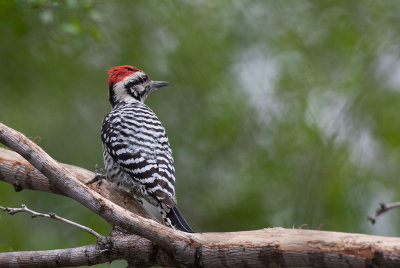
136,140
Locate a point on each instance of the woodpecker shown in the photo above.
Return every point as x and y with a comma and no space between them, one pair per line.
136,151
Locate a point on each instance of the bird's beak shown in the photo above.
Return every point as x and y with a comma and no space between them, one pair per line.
156,84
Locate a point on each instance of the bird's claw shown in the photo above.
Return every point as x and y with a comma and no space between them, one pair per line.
99,176
98,171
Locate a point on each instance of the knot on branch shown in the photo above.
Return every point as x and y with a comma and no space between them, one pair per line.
17,187
106,243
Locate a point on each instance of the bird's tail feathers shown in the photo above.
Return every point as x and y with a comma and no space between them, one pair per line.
178,221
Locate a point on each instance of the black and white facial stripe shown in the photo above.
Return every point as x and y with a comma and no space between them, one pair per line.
135,87
139,87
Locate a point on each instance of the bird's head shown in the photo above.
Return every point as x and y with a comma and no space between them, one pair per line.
129,84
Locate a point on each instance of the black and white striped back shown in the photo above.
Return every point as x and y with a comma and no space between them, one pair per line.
137,153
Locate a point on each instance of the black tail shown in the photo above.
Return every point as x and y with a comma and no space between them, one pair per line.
177,220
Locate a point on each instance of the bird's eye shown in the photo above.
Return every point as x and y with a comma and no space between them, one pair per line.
131,84
143,78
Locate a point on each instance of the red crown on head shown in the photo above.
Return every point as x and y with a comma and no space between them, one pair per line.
116,74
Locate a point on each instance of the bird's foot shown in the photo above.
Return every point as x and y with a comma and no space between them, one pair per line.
99,176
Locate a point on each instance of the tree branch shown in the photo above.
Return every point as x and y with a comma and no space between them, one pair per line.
384,207
22,175
35,214
259,248
65,182
137,250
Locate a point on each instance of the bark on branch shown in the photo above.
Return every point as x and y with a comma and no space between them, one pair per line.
144,242
138,251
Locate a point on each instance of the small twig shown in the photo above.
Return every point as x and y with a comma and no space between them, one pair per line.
384,207
34,214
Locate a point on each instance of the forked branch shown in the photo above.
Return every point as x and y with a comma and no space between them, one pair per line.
383,208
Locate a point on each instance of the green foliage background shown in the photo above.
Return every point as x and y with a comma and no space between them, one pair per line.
279,113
